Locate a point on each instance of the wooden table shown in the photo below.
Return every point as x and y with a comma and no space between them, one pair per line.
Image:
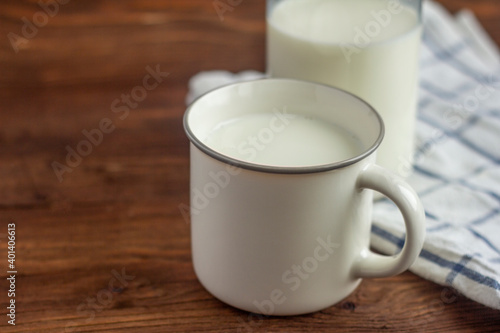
101,245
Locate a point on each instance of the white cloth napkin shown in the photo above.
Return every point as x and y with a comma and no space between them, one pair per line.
457,160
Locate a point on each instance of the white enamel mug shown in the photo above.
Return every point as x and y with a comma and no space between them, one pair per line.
284,239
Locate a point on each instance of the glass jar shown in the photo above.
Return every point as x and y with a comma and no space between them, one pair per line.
369,48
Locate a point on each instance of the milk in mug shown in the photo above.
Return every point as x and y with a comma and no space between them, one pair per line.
366,47
298,141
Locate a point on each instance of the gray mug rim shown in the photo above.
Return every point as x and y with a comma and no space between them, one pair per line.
281,169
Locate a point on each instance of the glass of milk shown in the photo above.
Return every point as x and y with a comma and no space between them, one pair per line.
369,48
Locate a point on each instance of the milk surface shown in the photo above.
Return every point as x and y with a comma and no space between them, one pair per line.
366,47
298,141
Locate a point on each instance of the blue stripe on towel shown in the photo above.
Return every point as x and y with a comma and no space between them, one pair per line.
438,91
462,182
442,54
486,218
457,268
439,227
455,134
438,260
484,239
448,56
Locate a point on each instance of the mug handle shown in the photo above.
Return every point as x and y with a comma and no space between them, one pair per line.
372,265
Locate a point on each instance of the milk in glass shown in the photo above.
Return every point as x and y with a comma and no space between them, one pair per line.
366,47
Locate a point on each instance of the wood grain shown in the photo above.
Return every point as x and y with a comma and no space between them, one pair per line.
116,214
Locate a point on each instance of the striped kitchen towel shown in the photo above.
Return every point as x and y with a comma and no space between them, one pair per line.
456,168
457,160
